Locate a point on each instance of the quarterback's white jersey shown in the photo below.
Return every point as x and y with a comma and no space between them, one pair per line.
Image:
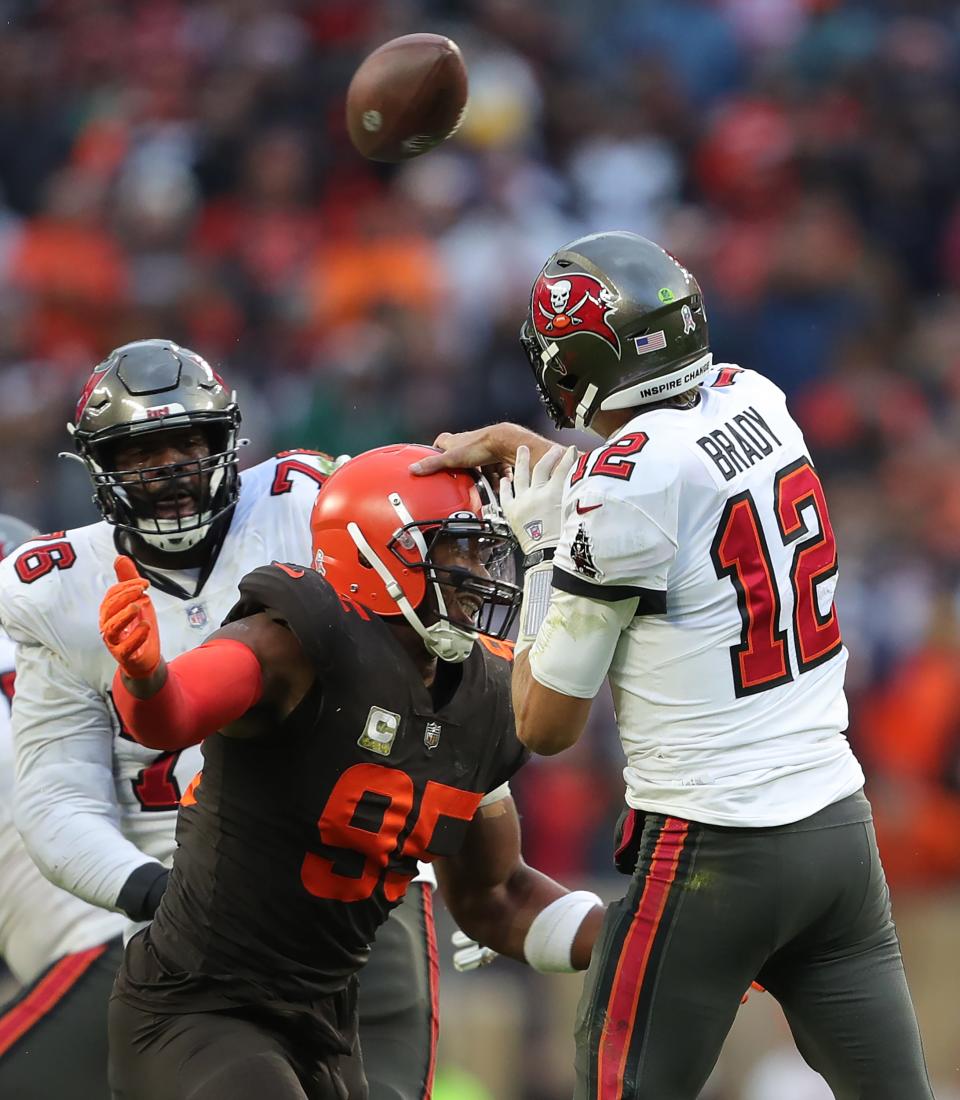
93,805
728,679
38,922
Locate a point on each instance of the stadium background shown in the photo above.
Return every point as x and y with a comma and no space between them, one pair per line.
181,169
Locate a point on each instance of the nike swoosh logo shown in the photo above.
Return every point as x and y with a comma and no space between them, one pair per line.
290,570
582,509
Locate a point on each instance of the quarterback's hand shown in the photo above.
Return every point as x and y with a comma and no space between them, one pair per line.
468,954
492,447
531,501
128,623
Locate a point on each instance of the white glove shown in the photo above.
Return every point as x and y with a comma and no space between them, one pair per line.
468,954
531,503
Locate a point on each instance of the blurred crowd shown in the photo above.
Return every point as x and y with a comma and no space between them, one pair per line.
181,169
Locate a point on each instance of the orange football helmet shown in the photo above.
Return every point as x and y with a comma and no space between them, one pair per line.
375,525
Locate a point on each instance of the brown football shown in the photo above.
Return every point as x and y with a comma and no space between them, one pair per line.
406,97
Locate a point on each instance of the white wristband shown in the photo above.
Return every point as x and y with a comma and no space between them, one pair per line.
549,939
537,586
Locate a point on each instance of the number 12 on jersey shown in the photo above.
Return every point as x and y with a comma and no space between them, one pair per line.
740,551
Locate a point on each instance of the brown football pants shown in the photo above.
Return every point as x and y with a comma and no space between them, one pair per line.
209,1056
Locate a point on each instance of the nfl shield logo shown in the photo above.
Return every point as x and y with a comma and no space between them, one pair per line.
431,735
197,616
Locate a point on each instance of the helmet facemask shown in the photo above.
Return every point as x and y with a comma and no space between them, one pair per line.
494,599
130,498
542,360
489,604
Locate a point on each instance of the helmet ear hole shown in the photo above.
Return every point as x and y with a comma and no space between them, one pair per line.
568,382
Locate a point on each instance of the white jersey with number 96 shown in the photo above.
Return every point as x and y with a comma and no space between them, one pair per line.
91,803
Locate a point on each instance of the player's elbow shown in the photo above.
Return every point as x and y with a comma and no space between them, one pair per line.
546,725
160,740
547,721
23,812
32,822
543,739
475,912
489,914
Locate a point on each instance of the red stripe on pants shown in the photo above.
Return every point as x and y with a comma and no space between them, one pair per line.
45,995
626,839
634,956
434,964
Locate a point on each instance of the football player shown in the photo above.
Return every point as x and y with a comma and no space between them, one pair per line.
157,428
690,559
65,951
352,726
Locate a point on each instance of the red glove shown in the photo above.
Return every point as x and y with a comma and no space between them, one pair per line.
128,623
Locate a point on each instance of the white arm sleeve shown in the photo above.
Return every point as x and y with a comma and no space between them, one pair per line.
64,804
576,642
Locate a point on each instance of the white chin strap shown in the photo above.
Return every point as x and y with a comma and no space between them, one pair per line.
583,409
442,639
166,535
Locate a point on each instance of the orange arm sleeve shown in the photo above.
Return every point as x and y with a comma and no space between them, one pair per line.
207,688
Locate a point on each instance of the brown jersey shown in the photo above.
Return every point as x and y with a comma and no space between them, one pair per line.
294,846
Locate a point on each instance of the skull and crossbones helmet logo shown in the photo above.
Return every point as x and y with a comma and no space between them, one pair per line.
576,303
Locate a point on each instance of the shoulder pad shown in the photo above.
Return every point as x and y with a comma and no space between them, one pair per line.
51,586
286,473
42,555
316,466
323,459
727,375
498,647
308,604
638,464
78,551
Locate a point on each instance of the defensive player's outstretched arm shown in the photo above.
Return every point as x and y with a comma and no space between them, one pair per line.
244,678
502,903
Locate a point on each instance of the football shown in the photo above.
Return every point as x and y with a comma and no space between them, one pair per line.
406,97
